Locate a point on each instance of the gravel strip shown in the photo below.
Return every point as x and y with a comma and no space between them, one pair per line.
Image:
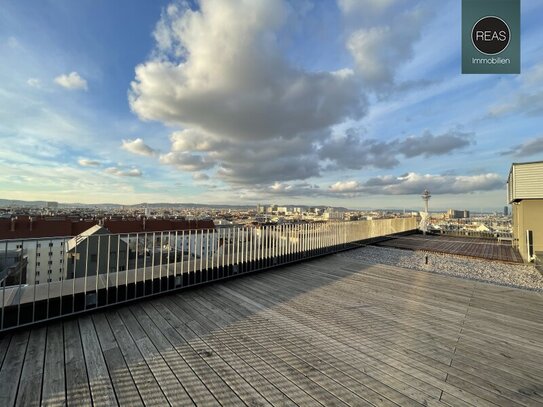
514,275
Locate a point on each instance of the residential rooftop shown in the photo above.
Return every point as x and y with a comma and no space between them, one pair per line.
329,331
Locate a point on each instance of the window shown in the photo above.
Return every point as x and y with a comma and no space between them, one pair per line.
61,252
37,281
19,246
61,260
50,254
50,244
37,273
60,279
38,254
49,271
49,262
62,243
49,280
37,264
38,245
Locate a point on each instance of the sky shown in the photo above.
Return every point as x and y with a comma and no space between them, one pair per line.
353,103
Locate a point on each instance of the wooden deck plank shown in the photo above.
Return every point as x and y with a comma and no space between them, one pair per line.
121,379
99,380
11,369
31,377
77,381
146,383
54,381
290,390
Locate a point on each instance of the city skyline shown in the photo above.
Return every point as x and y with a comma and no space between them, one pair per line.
353,104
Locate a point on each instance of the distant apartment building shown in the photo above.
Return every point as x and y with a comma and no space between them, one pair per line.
525,194
43,242
505,210
455,214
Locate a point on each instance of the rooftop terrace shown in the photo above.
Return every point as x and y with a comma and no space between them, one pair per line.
329,331
490,249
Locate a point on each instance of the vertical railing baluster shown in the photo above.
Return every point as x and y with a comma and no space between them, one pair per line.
127,267
207,253
182,255
117,267
201,254
97,270
160,263
34,295
136,264
87,242
175,262
153,265
145,263
214,248
20,292
108,266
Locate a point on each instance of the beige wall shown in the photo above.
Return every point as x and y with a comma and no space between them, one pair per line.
528,215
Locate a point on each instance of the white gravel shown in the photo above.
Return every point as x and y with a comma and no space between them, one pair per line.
514,275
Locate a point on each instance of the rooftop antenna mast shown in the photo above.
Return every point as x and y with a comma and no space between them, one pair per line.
424,215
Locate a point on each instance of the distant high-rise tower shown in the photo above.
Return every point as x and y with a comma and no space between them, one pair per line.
505,210
424,215
426,198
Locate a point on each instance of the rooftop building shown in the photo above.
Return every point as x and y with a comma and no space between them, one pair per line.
525,194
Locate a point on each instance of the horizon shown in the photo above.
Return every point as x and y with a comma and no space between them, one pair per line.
340,103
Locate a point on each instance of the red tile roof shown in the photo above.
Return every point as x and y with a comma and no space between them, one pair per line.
23,228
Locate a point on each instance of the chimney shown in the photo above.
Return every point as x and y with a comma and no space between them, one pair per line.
144,222
13,224
30,222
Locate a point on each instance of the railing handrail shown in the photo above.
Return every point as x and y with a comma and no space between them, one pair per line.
103,269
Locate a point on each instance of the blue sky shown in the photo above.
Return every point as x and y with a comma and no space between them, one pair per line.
348,103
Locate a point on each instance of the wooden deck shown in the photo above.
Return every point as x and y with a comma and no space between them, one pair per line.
464,246
330,331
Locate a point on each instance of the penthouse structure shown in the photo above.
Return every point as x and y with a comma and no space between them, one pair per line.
525,194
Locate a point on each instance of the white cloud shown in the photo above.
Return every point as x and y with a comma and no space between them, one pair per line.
379,50
414,183
235,95
88,163
34,82
138,147
71,81
345,186
134,172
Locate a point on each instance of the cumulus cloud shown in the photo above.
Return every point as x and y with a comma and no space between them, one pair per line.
234,93
383,44
528,148
88,163
133,172
71,81
231,79
352,151
414,183
138,147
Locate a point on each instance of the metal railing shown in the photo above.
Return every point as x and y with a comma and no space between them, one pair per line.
71,275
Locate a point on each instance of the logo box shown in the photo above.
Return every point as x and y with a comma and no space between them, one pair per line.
491,36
